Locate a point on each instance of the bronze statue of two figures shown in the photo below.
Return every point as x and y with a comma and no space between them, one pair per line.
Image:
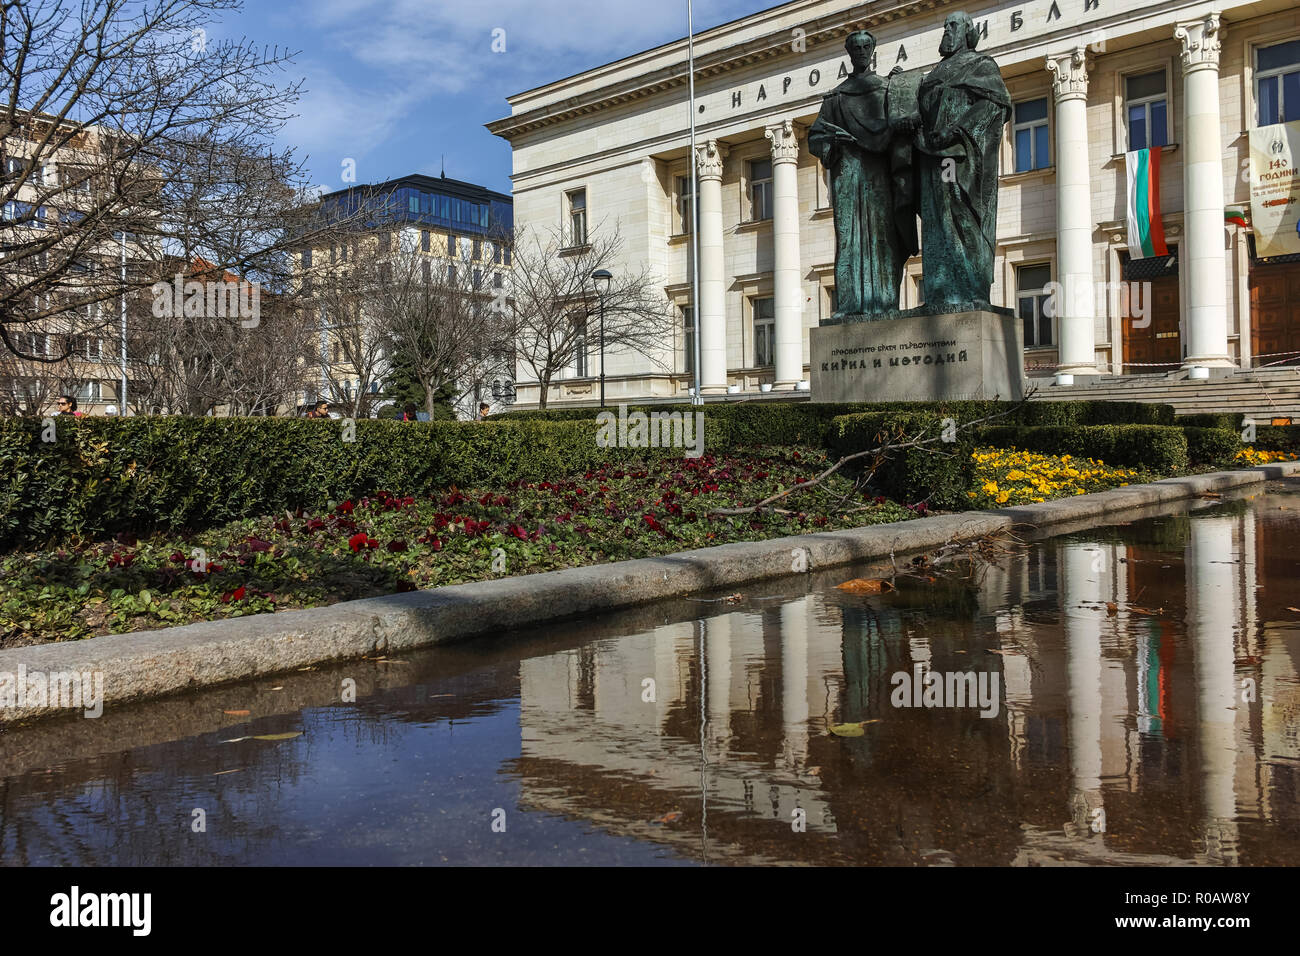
905,144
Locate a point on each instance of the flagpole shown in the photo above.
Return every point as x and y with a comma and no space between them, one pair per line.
698,397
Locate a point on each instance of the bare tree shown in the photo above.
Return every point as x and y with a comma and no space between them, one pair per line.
129,134
552,310
437,312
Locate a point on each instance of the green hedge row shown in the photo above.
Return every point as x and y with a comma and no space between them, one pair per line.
102,475
1157,448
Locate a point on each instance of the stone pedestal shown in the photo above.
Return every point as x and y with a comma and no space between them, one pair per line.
920,358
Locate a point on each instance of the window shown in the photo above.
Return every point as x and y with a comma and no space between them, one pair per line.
89,392
833,294
426,271
764,331
1030,134
13,167
1147,110
496,253
451,245
425,240
580,348
343,252
577,217
685,205
478,278
306,258
1031,297
760,190
507,254
478,250
688,336
451,272
496,280
385,241
1277,83
413,204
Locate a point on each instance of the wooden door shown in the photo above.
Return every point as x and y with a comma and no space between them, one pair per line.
1157,346
1275,313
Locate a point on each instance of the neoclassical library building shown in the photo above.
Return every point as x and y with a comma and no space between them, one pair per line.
1186,86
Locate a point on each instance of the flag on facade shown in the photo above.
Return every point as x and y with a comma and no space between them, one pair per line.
1146,235
1235,216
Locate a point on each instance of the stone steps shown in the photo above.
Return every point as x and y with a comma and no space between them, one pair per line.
1259,394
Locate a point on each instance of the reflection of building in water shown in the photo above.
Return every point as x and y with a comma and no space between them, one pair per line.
1121,738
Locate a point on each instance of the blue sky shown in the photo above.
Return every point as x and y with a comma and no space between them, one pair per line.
397,84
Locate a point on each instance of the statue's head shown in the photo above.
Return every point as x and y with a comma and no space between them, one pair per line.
861,46
959,34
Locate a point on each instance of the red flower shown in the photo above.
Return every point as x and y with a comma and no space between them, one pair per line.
120,560
651,523
258,545
345,508
518,532
177,556
235,595
397,545
361,540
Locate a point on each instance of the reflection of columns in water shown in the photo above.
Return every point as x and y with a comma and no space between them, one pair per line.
1213,614
794,680
1083,665
717,656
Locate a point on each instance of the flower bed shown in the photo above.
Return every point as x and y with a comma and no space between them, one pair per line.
1253,456
390,542
1008,476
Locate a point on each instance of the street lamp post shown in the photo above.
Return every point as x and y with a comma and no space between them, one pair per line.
601,279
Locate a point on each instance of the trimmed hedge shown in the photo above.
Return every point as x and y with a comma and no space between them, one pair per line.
103,475
1157,448
940,474
1211,446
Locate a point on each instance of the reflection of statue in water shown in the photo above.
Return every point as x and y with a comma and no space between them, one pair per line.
871,187
963,107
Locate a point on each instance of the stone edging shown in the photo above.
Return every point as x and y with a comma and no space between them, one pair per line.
154,663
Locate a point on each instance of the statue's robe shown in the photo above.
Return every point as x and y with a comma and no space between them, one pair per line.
870,176
964,96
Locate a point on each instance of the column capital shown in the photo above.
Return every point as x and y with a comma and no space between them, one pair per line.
1201,41
1069,74
709,157
785,142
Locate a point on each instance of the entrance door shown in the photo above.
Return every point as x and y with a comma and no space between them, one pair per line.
1158,343
1275,313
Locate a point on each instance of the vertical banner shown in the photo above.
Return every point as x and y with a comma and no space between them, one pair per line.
1275,188
1146,234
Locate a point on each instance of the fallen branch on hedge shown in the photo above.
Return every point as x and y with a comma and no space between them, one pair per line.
880,453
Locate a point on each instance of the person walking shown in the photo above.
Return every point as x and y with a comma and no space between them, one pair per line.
68,406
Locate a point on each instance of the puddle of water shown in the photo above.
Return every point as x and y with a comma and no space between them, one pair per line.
1141,685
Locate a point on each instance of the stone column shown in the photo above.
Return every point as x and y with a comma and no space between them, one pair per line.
785,237
1080,584
712,305
1075,301
1203,255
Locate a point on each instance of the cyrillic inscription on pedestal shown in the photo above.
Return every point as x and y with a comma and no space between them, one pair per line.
925,358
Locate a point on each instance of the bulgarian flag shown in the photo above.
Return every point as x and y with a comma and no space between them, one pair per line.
1235,216
1146,236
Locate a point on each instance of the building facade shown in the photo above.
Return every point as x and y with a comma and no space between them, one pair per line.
1090,80
447,225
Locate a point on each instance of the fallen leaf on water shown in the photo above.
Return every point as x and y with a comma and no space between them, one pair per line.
277,688
1210,494
288,736
237,713
220,772
1296,609
1112,608
735,598
866,586
670,817
235,740
1156,612
853,730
